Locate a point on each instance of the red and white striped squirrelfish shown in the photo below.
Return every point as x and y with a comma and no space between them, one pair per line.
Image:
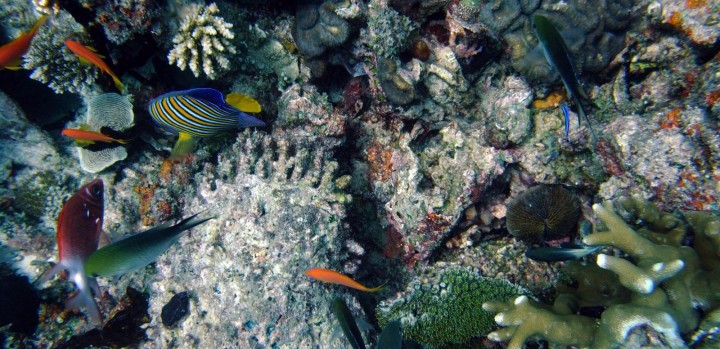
78,233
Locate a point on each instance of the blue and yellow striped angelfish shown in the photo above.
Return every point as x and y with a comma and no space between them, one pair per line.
202,112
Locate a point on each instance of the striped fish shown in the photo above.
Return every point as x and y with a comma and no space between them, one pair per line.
201,112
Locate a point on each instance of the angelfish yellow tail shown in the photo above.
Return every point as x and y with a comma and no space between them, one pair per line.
183,146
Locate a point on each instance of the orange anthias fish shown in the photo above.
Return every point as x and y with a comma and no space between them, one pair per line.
11,52
78,233
87,55
86,137
333,277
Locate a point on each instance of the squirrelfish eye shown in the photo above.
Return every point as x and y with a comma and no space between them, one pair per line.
96,190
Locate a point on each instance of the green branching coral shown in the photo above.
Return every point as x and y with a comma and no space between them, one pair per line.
669,285
447,310
52,63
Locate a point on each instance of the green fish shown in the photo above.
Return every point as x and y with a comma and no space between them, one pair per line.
348,324
558,55
139,250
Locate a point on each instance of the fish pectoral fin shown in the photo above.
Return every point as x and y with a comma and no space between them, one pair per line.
243,103
183,146
14,65
84,61
83,143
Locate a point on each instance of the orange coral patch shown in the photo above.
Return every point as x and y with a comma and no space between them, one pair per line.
695,3
672,119
713,98
380,161
553,100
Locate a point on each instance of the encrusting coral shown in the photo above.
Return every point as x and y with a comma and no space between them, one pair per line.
203,38
446,310
670,285
319,27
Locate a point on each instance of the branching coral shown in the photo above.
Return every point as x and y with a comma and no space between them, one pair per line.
202,39
669,288
52,63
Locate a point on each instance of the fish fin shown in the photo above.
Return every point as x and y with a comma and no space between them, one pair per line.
183,146
95,51
104,239
245,120
377,289
243,102
48,274
85,127
119,85
207,94
391,336
84,61
14,65
583,114
84,299
37,24
83,143
347,323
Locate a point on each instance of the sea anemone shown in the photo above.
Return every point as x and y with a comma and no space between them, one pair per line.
543,212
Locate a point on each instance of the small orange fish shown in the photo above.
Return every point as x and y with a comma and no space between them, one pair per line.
86,54
11,52
87,137
333,277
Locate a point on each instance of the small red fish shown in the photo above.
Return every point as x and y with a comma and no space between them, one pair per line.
78,232
11,52
333,277
89,137
87,55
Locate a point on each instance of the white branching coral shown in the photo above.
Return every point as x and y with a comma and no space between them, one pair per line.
202,38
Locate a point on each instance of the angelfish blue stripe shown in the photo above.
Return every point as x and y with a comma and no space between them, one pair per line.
193,116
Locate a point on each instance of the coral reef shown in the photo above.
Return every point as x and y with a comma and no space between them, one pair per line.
388,32
696,19
668,284
446,308
594,32
319,27
203,42
53,64
106,110
121,20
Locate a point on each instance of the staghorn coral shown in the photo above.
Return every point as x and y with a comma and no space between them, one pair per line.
446,309
203,38
669,287
106,110
52,63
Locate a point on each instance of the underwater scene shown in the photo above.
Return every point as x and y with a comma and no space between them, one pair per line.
359,174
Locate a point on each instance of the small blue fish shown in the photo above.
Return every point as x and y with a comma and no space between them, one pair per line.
566,114
564,253
201,112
